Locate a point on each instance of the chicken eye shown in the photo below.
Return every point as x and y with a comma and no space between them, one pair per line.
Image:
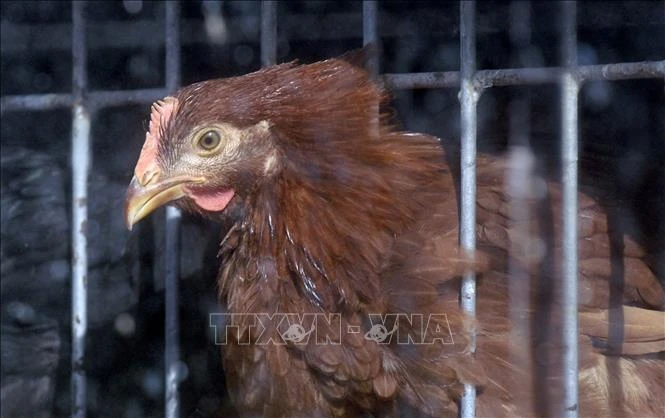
209,140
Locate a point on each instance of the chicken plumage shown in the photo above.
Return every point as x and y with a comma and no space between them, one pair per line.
339,223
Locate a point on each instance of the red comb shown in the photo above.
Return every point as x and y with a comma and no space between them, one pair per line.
161,112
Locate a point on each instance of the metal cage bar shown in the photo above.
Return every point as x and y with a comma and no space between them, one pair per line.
468,100
427,80
371,34
80,160
471,84
526,76
171,236
371,37
569,151
268,32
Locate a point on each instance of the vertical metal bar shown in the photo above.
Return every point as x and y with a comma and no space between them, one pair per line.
468,99
371,34
172,45
171,260
569,153
268,32
370,37
80,161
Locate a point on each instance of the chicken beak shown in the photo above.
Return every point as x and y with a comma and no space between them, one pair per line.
141,200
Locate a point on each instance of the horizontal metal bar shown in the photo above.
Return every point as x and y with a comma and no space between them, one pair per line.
124,97
519,76
36,102
94,99
444,79
21,37
431,80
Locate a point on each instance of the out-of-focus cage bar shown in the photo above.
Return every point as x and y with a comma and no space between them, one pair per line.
268,32
371,35
171,239
471,82
519,181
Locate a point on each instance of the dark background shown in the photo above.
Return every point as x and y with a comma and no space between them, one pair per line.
622,134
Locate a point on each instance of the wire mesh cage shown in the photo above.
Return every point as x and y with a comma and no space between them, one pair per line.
570,91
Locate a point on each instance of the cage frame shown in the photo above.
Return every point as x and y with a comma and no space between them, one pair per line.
471,83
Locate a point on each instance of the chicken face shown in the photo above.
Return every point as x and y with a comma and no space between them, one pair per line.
201,166
215,143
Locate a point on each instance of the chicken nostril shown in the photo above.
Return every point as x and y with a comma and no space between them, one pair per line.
148,176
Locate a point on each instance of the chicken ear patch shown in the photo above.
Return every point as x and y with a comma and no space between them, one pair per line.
214,201
161,113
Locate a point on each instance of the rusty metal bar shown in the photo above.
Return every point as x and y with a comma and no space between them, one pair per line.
80,160
469,95
570,85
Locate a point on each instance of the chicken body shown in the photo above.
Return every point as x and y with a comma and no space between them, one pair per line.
340,263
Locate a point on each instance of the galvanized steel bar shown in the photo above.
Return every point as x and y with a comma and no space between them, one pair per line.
569,156
96,99
80,168
80,160
468,100
520,76
268,32
171,242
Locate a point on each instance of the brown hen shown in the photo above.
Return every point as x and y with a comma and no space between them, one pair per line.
341,268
